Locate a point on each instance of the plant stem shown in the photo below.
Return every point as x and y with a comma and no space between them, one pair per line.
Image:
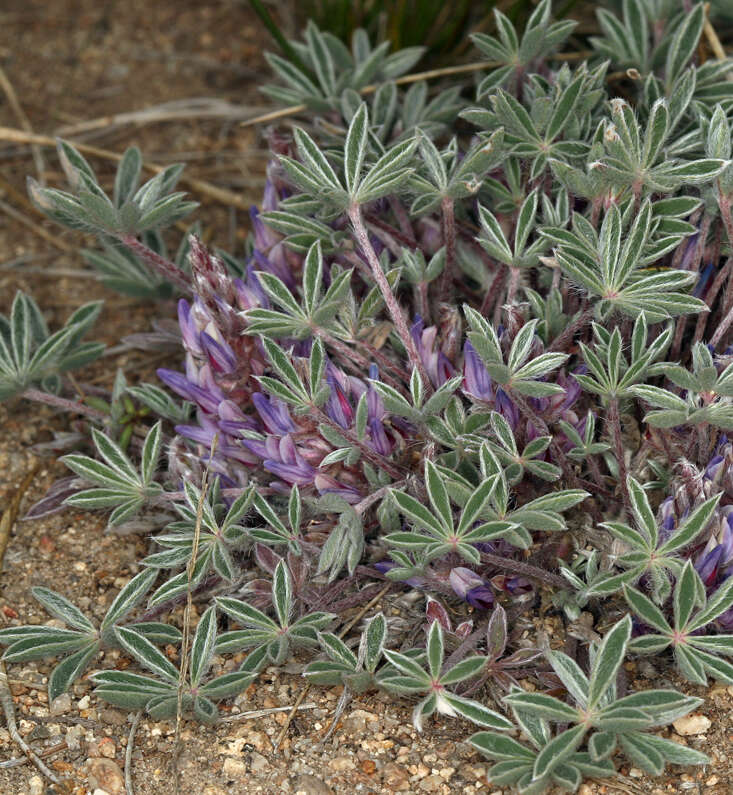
614,422
526,570
403,219
393,307
722,328
712,294
566,336
164,267
513,285
63,403
363,506
494,290
449,241
185,650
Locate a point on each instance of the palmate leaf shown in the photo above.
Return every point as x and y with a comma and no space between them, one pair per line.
30,356
83,642
406,675
120,484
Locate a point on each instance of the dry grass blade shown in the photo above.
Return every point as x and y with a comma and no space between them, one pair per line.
430,74
262,713
19,761
185,642
24,122
11,512
128,754
364,610
6,700
178,110
712,36
38,230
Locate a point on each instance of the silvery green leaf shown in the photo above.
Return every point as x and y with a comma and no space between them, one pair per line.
355,148
720,601
51,644
572,677
608,660
500,747
692,526
60,607
438,495
146,654
69,670
557,750
541,705
602,745
417,512
282,593
373,640
245,614
477,713
647,611
203,645
129,597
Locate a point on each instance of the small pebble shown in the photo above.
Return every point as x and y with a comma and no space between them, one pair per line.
692,724
107,775
235,768
60,705
35,785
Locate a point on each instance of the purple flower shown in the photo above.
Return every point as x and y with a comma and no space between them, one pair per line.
476,379
471,588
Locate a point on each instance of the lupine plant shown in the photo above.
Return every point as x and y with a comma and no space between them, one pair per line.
477,346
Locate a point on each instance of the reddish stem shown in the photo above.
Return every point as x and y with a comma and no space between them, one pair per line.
62,403
164,267
614,422
395,311
449,241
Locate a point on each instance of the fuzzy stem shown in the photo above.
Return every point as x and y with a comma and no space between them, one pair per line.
492,294
578,325
513,285
703,317
63,403
395,311
364,505
449,241
725,213
403,219
421,299
164,267
614,422
531,415
722,328
526,570
381,359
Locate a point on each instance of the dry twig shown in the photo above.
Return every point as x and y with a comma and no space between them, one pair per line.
24,121
11,512
185,641
305,690
6,701
128,753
